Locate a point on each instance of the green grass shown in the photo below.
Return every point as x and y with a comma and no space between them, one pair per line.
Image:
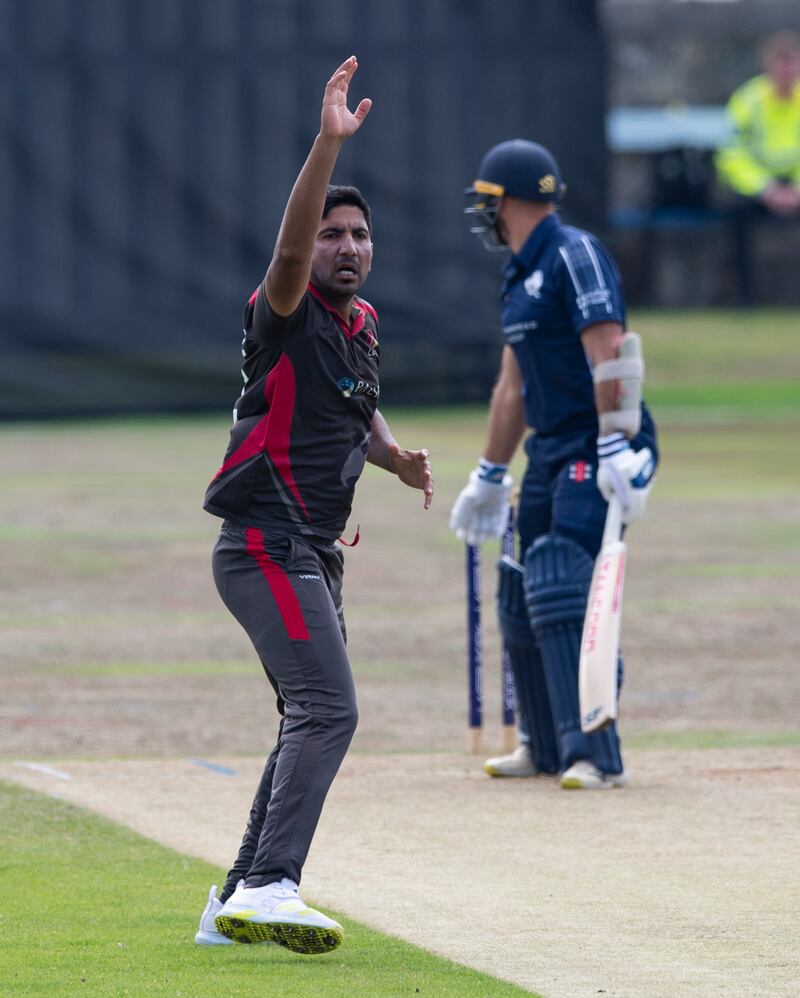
678,741
756,400
90,908
721,366
699,346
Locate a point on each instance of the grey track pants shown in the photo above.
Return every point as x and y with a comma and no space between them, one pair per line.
286,594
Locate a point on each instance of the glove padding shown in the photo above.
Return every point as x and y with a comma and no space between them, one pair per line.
481,509
627,474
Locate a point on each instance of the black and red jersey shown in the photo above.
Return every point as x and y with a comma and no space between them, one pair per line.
301,426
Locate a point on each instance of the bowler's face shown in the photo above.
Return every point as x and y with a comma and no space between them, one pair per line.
342,253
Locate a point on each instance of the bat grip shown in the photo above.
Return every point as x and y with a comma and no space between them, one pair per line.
613,527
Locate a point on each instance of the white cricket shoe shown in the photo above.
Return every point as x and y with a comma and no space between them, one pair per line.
518,763
584,775
207,934
276,913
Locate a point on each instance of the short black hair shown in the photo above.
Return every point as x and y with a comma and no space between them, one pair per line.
340,194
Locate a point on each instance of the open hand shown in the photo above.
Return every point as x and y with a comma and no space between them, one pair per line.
337,121
413,467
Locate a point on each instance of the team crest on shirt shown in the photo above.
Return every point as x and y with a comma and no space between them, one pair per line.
580,471
533,284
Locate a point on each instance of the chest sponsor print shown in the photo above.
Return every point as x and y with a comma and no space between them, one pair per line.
515,333
357,386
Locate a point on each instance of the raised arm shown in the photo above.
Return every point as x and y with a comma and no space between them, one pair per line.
290,268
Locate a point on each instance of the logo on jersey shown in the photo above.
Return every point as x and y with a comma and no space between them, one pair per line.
533,284
348,387
316,578
580,471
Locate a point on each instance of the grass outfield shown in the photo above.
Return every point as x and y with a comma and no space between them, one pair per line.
723,365
110,630
90,908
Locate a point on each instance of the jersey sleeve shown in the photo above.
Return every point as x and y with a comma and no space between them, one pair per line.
590,283
266,327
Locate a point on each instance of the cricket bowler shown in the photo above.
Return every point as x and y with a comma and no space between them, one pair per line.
304,425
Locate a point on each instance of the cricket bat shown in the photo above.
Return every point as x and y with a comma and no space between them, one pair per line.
597,676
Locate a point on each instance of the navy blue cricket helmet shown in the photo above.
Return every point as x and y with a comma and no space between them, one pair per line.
516,169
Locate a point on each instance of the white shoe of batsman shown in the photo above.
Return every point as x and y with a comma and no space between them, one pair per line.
276,913
517,763
584,775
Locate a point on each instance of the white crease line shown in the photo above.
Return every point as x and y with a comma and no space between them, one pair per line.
47,770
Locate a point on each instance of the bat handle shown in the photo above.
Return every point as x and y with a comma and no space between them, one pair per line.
613,527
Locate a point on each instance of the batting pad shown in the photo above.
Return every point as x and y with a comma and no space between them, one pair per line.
558,573
533,702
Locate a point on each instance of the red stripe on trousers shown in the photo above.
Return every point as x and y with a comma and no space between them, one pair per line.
280,586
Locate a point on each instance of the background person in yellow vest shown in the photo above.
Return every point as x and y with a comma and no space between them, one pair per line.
761,166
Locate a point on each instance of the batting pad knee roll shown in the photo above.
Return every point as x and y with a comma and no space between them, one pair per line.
558,574
530,686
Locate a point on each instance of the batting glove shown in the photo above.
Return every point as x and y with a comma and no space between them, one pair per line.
481,509
625,473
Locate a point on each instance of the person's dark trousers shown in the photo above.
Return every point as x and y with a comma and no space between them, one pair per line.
286,594
746,215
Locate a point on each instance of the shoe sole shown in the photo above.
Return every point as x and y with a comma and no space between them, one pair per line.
306,939
574,783
212,939
499,774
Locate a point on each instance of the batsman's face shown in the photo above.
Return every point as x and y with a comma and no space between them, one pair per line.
342,252
501,222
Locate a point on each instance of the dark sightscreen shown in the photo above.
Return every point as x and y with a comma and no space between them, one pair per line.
147,148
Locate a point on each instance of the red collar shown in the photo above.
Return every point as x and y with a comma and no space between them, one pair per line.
358,316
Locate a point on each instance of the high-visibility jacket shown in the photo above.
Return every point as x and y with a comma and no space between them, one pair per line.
766,138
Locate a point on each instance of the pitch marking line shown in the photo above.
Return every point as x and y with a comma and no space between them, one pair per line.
59,774
214,767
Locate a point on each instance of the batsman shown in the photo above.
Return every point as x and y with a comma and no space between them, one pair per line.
571,374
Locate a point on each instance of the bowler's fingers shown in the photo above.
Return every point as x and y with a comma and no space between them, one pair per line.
344,74
362,110
427,478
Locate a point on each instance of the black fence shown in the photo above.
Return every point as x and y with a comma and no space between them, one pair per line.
147,148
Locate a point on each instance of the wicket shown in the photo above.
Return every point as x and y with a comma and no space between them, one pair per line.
475,653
